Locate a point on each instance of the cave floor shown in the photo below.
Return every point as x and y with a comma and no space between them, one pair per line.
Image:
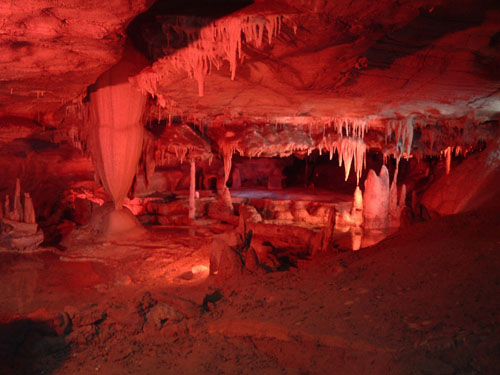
423,301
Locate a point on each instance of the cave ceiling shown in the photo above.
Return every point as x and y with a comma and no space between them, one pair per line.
376,60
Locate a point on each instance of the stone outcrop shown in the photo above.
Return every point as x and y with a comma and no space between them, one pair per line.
18,227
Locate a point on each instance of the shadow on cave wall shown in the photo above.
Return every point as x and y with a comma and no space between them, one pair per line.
147,30
147,33
30,347
423,30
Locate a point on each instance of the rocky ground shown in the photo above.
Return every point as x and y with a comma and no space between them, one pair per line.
423,301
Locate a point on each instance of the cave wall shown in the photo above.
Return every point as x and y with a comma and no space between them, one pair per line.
472,183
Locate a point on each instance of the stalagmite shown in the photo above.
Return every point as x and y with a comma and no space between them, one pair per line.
29,211
447,154
17,213
24,233
376,199
402,197
353,218
7,206
228,158
393,196
358,199
236,178
356,238
396,206
381,207
357,207
192,189
393,192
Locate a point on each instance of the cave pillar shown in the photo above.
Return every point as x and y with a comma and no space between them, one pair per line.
192,191
225,194
447,154
18,208
116,135
376,199
29,210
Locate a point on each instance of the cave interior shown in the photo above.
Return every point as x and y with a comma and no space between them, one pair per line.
251,187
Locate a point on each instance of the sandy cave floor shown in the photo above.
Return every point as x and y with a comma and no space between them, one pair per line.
423,301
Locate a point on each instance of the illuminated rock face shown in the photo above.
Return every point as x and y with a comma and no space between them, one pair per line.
51,51
271,60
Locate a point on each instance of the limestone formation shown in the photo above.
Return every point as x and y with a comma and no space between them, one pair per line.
19,229
376,199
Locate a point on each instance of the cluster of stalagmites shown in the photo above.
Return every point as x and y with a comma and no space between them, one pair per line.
378,208
19,229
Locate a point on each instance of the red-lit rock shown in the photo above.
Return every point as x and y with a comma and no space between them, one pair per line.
274,113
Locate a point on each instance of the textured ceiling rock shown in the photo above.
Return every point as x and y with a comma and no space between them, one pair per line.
357,58
50,51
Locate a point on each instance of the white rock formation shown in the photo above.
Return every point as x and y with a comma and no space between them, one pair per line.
381,208
29,210
19,228
376,199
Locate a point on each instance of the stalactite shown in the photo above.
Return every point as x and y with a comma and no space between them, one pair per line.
349,149
218,41
348,142
347,126
403,131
